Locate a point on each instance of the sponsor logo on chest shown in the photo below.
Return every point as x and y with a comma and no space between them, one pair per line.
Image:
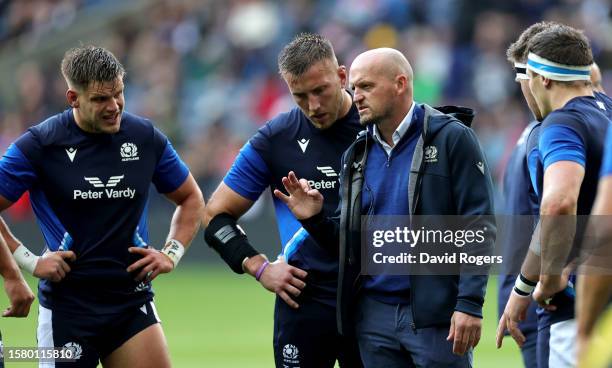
104,191
329,172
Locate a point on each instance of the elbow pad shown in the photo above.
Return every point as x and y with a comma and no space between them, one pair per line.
227,238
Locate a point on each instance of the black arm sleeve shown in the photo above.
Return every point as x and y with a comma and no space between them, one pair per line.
229,240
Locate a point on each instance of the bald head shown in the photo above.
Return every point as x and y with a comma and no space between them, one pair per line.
596,78
385,62
382,82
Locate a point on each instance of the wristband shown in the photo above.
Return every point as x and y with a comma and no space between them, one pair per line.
227,238
25,258
174,249
261,270
523,286
244,261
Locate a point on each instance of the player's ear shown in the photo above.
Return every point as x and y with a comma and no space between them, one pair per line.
342,75
546,81
73,98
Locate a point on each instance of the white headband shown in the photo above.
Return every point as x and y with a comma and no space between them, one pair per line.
521,72
556,71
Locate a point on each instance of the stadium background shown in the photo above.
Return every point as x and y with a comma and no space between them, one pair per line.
205,72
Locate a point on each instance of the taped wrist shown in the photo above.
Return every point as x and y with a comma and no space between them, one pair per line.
25,258
523,286
227,238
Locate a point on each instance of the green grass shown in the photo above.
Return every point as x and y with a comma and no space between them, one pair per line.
213,318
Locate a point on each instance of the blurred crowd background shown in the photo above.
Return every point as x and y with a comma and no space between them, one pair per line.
205,70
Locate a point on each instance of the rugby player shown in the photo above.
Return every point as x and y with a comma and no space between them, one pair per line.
575,122
89,170
310,140
521,201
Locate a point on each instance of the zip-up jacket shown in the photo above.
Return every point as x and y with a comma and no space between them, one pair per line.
458,182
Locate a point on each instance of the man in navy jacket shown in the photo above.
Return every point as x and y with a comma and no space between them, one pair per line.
413,160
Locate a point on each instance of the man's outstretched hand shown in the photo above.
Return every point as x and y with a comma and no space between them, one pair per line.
303,201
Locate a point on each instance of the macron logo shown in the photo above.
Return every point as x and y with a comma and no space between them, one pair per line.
71,153
97,183
327,170
303,144
601,105
480,167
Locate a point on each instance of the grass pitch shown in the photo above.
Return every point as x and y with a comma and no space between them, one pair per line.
214,318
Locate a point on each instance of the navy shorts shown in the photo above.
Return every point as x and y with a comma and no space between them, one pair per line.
90,337
307,337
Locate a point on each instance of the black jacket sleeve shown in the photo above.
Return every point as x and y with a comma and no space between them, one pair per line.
325,230
473,195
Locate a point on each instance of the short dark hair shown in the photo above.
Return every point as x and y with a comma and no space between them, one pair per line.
82,65
517,52
562,44
304,51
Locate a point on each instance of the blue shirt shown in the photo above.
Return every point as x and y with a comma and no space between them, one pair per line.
290,142
386,179
89,193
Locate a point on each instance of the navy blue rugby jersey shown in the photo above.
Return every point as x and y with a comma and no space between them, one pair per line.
576,133
522,209
90,193
605,102
290,142
520,196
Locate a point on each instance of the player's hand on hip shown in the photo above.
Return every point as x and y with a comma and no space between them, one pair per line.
550,285
464,332
152,263
515,312
284,280
53,266
303,201
20,295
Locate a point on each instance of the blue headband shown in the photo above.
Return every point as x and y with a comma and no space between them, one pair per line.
556,71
